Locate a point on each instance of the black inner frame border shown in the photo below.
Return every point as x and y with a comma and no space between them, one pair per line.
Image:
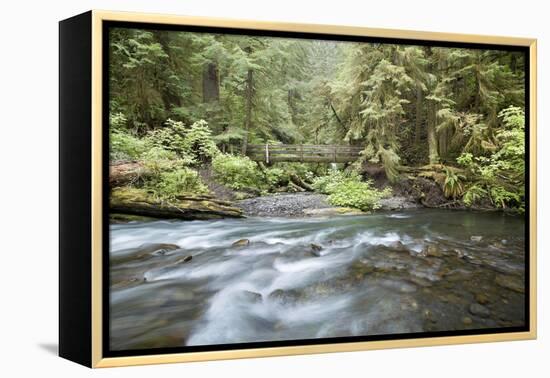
107,25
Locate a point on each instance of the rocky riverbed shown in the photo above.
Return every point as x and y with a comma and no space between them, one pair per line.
309,204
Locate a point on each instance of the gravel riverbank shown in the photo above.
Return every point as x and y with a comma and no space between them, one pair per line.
307,204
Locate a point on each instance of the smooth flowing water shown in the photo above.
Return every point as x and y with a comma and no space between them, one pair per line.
400,272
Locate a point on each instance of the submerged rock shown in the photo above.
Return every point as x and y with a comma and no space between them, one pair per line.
479,310
482,298
510,282
143,252
184,260
431,250
398,246
467,320
241,243
289,296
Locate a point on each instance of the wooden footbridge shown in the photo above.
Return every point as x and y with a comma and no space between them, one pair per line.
307,153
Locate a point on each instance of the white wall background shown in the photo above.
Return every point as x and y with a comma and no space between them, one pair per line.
28,200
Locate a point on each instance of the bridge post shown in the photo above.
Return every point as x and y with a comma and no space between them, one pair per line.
267,153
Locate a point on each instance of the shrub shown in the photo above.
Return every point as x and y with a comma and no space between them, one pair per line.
173,183
276,177
237,172
360,195
195,142
474,194
170,137
198,142
157,160
500,175
125,146
346,189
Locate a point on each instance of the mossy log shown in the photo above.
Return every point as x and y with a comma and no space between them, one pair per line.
185,206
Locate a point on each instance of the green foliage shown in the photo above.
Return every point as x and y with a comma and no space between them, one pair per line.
474,194
237,172
170,184
346,189
453,186
503,198
125,146
198,142
193,144
276,177
501,175
158,160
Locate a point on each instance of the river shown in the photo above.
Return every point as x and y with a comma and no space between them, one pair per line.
420,270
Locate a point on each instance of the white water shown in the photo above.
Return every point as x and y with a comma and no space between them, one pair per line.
276,288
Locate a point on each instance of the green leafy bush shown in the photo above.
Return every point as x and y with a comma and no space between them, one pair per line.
198,142
500,175
159,160
237,172
125,146
276,177
474,194
173,183
346,189
194,142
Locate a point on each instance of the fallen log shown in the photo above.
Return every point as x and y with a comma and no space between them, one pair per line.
299,182
185,206
126,173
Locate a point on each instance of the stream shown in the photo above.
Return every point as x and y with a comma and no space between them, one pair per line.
178,283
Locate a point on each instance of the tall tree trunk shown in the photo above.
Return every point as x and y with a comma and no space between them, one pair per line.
433,154
248,107
418,128
210,83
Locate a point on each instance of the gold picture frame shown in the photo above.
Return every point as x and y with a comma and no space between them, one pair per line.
95,20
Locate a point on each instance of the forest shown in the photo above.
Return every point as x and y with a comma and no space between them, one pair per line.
442,126
273,189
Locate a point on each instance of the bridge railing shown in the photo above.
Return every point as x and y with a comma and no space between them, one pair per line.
271,153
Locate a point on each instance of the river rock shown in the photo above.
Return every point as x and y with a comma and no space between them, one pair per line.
476,238
241,243
479,310
250,296
288,296
482,298
428,315
316,249
431,250
467,320
510,282
184,259
143,252
397,246
460,253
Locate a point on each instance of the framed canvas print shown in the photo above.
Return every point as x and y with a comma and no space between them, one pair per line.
235,189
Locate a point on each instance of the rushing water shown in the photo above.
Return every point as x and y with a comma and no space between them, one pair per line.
416,271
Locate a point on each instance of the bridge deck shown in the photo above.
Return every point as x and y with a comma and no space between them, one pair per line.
314,153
